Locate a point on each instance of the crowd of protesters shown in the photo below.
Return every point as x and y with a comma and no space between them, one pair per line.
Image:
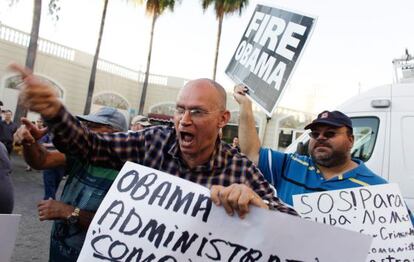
94,147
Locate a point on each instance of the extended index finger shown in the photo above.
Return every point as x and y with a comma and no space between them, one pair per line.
29,125
23,71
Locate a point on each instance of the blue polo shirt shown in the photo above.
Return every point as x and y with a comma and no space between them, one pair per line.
293,174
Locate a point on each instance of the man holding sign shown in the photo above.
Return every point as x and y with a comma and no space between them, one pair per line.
329,166
191,150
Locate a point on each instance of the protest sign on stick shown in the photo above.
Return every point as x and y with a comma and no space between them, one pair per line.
379,211
149,215
268,53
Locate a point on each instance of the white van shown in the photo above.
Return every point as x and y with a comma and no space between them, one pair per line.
383,121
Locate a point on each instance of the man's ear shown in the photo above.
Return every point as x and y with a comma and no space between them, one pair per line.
352,140
224,119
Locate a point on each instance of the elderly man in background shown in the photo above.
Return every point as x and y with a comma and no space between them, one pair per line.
85,188
139,122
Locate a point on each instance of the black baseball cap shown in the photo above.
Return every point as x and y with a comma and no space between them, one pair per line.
331,118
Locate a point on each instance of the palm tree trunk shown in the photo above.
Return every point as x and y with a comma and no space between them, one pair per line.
21,111
92,77
220,23
145,85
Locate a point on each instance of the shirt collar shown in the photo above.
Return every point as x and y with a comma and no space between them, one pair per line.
360,170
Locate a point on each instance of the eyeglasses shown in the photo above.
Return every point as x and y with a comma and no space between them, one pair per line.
327,134
194,113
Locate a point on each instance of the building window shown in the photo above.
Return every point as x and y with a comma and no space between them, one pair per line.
232,128
14,82
112,100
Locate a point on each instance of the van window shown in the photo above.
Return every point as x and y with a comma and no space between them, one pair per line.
365,133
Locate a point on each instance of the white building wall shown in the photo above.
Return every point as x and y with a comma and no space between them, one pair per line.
70,69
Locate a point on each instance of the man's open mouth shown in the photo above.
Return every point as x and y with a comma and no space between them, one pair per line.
186,138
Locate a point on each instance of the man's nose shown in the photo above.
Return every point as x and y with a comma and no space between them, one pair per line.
321,136
186,118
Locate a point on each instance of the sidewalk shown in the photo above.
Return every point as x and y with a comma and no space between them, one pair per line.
32,243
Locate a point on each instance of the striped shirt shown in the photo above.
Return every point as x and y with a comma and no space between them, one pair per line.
157,147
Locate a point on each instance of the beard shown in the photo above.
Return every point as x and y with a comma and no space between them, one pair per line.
335,158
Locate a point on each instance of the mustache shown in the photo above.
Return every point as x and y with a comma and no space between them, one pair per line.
317,144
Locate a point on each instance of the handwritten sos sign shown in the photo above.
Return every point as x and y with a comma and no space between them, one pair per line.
379,211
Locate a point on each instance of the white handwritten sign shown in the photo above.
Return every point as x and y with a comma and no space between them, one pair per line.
268,52
379,211
8,232
149,216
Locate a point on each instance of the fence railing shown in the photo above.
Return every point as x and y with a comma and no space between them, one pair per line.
48,47
21,38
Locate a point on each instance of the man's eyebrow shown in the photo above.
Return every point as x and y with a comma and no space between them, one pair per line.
190,107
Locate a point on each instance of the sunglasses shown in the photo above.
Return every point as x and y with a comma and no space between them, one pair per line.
327,134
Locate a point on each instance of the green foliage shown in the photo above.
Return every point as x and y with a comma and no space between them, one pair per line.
54,9
157,7
223,7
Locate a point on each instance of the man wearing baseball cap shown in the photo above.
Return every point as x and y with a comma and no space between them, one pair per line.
139,122
329,166
84,190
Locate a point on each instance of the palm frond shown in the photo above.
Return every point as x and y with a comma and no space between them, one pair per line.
222,7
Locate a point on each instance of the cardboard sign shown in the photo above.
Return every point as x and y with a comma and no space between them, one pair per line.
8,232
268,52
149,215
379,211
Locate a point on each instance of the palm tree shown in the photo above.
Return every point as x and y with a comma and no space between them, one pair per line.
92,77
154,8
21,111
221,8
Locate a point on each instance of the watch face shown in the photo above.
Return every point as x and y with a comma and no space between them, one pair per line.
73,219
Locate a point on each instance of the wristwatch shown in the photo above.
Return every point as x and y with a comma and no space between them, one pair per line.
73,218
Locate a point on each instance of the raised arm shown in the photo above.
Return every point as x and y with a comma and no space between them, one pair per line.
36,155
70,136
248,138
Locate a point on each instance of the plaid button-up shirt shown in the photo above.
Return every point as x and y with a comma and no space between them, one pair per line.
157,147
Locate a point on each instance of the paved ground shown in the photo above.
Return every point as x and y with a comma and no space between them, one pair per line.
32,243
